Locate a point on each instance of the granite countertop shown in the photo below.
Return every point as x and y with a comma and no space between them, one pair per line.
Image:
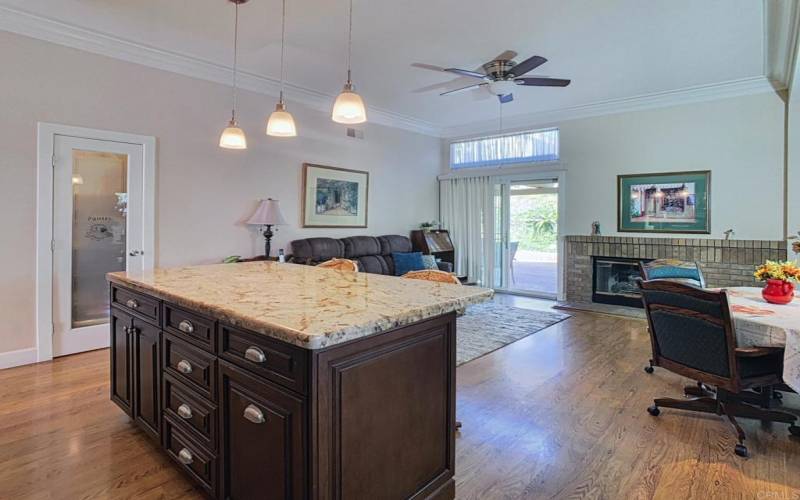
306,306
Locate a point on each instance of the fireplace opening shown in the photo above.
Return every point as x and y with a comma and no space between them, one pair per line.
614,281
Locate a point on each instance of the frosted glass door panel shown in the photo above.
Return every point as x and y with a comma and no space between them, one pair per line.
99,213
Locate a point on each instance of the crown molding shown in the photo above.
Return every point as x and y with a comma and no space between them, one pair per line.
50,30
688,95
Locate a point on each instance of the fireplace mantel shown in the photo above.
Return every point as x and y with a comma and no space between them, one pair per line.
725,263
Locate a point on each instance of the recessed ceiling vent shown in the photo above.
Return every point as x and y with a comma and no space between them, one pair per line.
355,134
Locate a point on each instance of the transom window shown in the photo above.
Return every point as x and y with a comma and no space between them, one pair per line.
497,150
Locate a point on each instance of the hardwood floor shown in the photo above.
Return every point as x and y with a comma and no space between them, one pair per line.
559,414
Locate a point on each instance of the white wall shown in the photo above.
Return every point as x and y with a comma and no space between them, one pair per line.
793,158
739,139
203,192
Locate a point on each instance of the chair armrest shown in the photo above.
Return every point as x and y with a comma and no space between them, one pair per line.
753,352
445,266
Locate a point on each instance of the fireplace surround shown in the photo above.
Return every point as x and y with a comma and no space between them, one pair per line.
725,263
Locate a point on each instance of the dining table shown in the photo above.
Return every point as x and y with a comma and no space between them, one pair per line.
762,324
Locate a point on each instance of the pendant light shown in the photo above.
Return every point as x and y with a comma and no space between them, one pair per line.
349,107
281,123
233,137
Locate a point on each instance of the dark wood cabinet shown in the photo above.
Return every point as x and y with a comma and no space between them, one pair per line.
147,385
248,416
262,438
121,362
435,242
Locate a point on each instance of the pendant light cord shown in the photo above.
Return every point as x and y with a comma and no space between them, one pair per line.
283,41
235,57
350,42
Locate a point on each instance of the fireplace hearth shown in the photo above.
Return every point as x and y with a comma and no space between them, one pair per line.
614,281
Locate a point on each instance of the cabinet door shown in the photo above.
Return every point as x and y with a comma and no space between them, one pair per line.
146,406
121,368
262,440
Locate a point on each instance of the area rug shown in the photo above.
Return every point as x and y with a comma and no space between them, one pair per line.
489,326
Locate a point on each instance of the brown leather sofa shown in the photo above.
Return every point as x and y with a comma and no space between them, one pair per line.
373,254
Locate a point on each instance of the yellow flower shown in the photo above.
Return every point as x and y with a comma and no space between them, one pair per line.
777,270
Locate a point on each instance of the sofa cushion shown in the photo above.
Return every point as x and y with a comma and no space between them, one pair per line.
375,264
429,261
317,249
405,262
359,246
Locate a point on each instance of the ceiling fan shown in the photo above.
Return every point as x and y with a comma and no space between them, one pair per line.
501,76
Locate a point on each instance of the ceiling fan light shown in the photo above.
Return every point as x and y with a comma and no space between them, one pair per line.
281,122
349,108
233,137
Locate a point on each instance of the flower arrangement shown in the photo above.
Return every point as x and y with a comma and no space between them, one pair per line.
777,270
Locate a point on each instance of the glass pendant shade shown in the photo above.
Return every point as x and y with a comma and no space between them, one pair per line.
349,107
233,137
281,123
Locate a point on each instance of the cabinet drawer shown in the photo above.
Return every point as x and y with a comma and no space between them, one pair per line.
190,456
136,303
190,365
195,414
191,326
277,361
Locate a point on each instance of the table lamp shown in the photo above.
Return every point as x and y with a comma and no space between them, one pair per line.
267,214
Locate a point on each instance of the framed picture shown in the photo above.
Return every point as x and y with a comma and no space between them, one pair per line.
675,202
334,197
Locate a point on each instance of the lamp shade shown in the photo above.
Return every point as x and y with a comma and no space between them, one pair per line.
233,137
349,107
281,123
267,213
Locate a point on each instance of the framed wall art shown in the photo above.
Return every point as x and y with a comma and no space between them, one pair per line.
674,202
334,197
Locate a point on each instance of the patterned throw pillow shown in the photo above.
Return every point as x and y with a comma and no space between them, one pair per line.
429,261
405,262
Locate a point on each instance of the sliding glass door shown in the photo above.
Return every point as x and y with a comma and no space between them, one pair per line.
526,236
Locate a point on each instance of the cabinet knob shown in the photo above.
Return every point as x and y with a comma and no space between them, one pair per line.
185,411
255,355
186,326
185,367
185,456
132,303
126,329
253,414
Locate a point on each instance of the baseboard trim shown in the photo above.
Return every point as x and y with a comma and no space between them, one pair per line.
19,357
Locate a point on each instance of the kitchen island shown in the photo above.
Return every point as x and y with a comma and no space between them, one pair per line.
267,380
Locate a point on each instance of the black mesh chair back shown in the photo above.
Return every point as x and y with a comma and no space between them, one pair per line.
691,331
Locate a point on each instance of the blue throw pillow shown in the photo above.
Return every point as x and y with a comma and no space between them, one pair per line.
429,261
666,272
405,262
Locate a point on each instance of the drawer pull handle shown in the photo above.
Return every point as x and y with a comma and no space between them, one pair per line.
253,414
126,329
185,411
132,303
255,355
185,456
185,367
186,326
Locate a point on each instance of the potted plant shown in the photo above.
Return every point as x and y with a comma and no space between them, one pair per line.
780,278
427,226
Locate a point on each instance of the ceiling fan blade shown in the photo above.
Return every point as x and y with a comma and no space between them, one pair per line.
506,98
542,82
466,72
431,67
463,89
527,65
506,55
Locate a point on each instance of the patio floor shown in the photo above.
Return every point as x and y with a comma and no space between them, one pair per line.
535,272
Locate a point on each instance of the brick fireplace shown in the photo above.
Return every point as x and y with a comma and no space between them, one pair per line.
725,263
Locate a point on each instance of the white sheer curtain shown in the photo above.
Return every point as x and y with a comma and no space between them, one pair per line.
467,211
492,151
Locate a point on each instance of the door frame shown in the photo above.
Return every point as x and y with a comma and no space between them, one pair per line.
45,142
560,175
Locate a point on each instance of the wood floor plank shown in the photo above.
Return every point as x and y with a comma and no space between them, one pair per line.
558,414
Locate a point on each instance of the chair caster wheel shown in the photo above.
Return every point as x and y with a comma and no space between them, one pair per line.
741,450
653,410
649,369
794,430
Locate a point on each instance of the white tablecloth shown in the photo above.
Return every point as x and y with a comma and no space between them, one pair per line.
759,323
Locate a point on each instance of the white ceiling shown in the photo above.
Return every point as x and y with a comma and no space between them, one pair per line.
611,49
